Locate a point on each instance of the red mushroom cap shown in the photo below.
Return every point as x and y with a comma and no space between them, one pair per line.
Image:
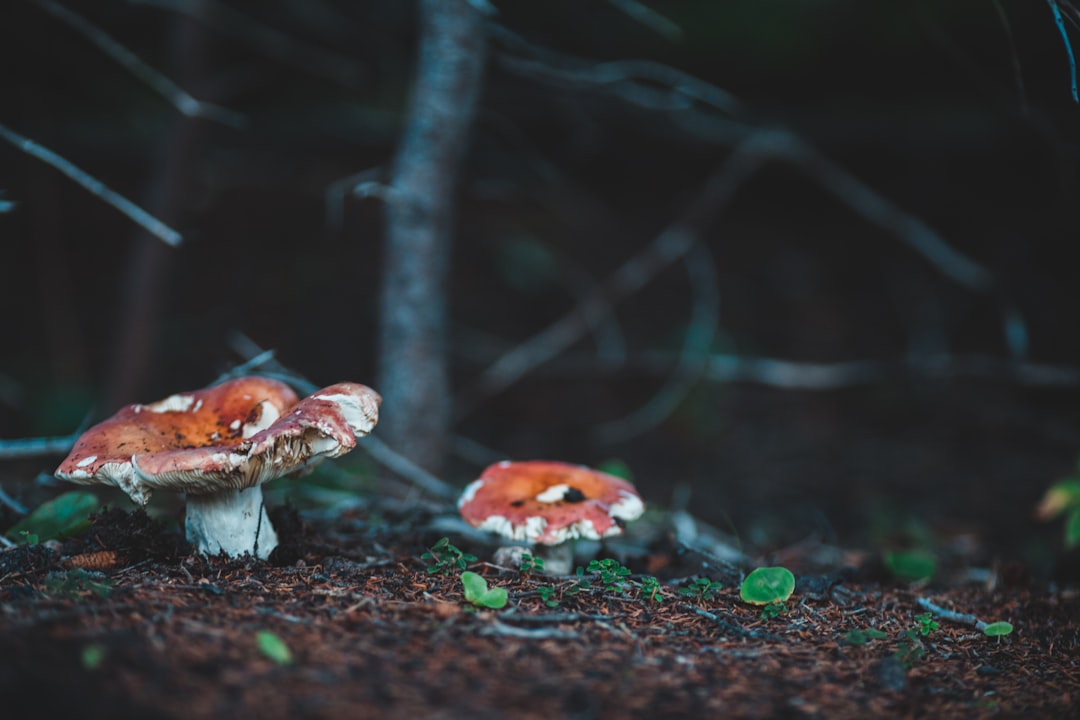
548,502
235,435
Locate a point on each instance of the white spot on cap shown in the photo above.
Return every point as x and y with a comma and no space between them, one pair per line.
469,492
234,425
504,463
268,415
555,493
173,403
88,460
628,508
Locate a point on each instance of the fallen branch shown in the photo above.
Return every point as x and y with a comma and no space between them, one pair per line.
951,616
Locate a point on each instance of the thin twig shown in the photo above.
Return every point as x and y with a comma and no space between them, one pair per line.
700,333
36,447
671,245
798,375
94,186
12,503
624,78
650,18
502,629
950,615
157,81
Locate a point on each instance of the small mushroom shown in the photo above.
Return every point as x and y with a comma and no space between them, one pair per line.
549,503
219,445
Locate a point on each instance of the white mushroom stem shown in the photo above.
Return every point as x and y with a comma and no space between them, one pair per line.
558,559
231,520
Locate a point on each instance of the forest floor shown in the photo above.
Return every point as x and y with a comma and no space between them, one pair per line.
358,627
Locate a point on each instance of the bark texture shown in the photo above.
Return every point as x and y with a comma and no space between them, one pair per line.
413,356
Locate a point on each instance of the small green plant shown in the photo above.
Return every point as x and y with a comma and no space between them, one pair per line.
700,588
998,629
927,624
767,585
911,649
478,593
76,583
547,594
651,589
773,610
911,565
613,575
580,583
64,515
531,564
862,637
1063,498
92,656
28,538
445,558
273,647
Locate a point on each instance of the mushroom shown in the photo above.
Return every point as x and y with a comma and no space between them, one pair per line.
219,445
549,503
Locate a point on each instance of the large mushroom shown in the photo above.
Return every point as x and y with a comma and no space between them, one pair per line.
219,445
549,503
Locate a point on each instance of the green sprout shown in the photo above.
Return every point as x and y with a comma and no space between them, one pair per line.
92,656
927,624
445,558
531,564
861,637
478,593
998,629
76,583
773,610
273,647
911,649
700,588
911,565
612,574
767,585
547,594
651,589
1063,498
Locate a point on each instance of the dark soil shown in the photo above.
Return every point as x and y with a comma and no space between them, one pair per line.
156,632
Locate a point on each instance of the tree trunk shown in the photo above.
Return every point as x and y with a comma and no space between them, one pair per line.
413,372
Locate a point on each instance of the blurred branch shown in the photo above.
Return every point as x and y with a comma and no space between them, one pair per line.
36,447
641,82
272,43
796,375
157,81
650,18
684,96
413,358
17,507
637,272
1060,22
694,360
94,186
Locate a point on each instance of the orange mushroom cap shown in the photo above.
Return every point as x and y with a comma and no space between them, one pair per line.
548,502
235,435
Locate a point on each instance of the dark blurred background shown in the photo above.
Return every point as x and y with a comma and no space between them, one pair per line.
958,112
